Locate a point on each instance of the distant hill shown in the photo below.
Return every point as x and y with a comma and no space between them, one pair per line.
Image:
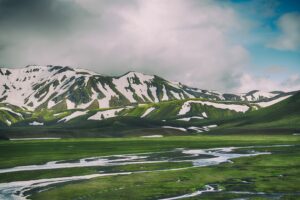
285,114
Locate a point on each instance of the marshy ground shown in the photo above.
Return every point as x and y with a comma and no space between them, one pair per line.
192,167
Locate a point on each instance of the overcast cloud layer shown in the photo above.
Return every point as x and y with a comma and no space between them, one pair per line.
189,41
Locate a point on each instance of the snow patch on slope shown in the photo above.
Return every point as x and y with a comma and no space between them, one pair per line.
186,107
73,115
70,104
257,95
189,118
176,128
108,93
35,123
176,95
165,96
269,103
147,112
8,122
10,110
152,136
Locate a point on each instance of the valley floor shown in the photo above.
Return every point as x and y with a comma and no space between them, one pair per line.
186,167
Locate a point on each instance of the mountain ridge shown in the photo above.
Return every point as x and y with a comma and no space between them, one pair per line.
64,100
37,87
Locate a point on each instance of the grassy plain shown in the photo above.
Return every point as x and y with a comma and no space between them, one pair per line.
275,175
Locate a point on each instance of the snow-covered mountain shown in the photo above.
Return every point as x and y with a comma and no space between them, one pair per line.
56,87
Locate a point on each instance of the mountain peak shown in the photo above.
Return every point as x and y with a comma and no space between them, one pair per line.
37,87
134,73
138,76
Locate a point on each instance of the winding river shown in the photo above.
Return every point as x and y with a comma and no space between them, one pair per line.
199,158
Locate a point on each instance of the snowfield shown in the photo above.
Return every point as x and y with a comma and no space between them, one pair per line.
186,107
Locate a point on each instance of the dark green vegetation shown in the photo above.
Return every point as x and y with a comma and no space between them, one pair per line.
78,171
15,153
285,114
276,174
280,118
269,174
283,117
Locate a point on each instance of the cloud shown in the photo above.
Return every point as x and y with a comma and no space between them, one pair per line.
289,38
39,17
249,82
292,83
183,40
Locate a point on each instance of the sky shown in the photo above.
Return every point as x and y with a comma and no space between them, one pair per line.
225,45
